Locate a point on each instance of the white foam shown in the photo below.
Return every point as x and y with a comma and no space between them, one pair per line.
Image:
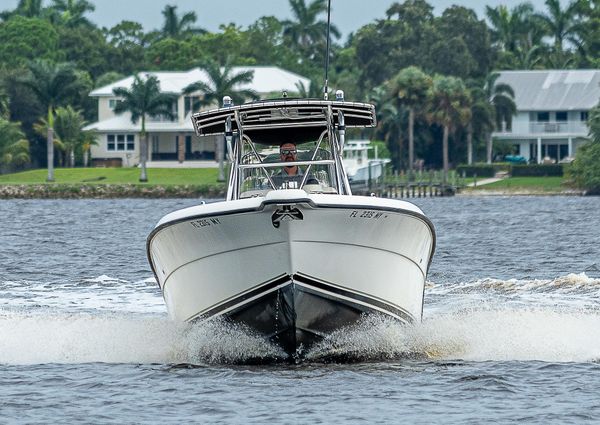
477,335
118,338
98,294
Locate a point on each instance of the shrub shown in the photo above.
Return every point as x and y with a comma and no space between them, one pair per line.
481,170
585,170
537,170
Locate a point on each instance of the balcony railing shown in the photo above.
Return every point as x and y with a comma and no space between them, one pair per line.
558,127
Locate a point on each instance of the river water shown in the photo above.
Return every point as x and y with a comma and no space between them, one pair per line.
511,328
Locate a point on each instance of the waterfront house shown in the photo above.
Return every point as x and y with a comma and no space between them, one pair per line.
171,140
552,112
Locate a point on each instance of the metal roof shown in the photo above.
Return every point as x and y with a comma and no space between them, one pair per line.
123,123
553,90
267,79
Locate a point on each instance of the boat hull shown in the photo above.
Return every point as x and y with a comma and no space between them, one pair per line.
294,267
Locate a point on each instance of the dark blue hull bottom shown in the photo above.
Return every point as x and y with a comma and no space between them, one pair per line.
301,312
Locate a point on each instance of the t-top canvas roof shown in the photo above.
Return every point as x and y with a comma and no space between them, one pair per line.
266,116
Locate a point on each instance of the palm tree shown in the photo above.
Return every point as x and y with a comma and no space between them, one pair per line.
52,84
14,148
222,82
510,27
390,117
71,12
561,24
176,27
313,91
27,8
411,88
449,109
68,124
305,30
4,103
144,99
482,117
594,124
502,97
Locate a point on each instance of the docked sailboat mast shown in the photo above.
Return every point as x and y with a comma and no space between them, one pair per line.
326,88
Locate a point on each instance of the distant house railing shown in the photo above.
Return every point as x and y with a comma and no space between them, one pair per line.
558,127
529,128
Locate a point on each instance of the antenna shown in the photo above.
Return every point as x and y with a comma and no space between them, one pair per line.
326,88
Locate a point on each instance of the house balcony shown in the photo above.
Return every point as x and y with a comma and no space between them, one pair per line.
545,129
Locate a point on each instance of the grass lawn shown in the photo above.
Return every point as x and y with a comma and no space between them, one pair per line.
156,176
538,184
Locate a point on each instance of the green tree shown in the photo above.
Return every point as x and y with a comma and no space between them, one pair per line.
384,47
411,88
561,24
26,8
4,103
589,33
390,119
461,23
69,125
502,98
178,27
144,99
585,169
86,47
482,117
264,42
173,54
71,12
509,27
25,39
449,108
108,78
14,148
222,82
128,43
228,44
52,85
306,31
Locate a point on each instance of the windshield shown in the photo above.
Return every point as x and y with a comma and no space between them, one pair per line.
307,165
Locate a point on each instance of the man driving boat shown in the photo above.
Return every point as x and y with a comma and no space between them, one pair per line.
290,176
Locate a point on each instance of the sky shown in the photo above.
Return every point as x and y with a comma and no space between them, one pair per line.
347,15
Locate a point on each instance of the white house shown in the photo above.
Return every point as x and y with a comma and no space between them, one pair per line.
118,137
552,111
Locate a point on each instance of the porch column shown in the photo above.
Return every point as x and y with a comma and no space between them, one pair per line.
539,150
570,147
180,148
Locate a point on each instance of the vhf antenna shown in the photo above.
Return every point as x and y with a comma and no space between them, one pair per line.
326,88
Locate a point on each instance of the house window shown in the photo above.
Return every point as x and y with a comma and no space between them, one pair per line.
120,142
561,116
190,102
583,116
543,116
113,102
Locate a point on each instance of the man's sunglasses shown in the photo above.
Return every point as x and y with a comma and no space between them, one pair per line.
287,151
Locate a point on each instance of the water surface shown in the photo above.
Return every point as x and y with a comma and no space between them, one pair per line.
511,328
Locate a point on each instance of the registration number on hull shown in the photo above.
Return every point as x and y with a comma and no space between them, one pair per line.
368,214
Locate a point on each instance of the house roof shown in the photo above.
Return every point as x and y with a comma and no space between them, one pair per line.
123,123
553,90
266,79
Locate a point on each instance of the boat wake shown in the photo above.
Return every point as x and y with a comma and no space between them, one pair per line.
555,320
125,338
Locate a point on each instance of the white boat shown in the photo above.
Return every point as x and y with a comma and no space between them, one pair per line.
359,168
292,260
